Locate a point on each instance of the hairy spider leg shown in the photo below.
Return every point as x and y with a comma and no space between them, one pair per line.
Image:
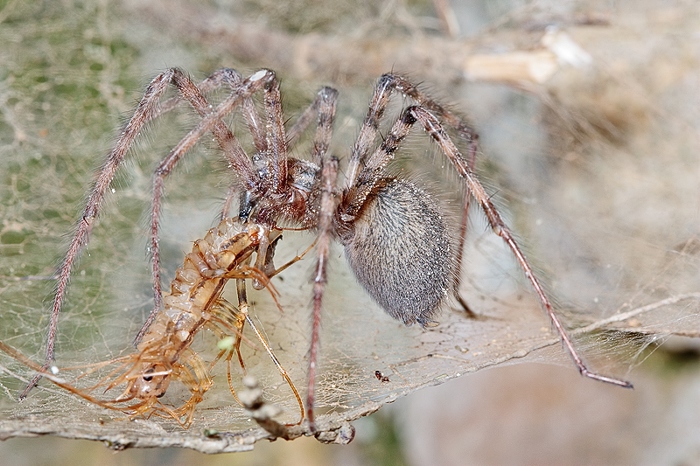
146,111
387,84
234,80
324,105
238,160
431,124
329,172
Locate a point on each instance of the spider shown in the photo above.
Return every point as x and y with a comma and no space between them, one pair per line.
394,235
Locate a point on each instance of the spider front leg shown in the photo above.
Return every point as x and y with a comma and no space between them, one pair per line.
387,84
232,149
148,109
239,162
324,105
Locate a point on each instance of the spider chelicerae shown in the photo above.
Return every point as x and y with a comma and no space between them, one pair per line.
395,239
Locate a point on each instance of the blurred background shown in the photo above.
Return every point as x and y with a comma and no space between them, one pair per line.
588,116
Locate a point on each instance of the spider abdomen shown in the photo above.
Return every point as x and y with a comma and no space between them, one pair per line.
400,251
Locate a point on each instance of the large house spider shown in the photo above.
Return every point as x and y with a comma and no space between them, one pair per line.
395,239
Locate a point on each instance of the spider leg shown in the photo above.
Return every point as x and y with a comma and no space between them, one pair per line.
325,225
236,156
233,79
219,78
386,85
276,153
146,111
324,105
233,191
466,204
431,124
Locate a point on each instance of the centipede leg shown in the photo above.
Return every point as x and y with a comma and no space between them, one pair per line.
243,316
197,380
230,319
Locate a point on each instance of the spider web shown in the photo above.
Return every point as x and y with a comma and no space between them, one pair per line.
611,219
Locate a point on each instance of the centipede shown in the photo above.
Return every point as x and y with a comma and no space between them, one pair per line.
194,303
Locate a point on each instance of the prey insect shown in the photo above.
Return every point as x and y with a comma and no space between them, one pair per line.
164,354
394,233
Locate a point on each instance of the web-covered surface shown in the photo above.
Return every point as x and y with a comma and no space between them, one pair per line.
613,225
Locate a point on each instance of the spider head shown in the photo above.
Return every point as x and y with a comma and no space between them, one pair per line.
296,201
303,175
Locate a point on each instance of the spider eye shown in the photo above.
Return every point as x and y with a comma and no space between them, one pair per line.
148,378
